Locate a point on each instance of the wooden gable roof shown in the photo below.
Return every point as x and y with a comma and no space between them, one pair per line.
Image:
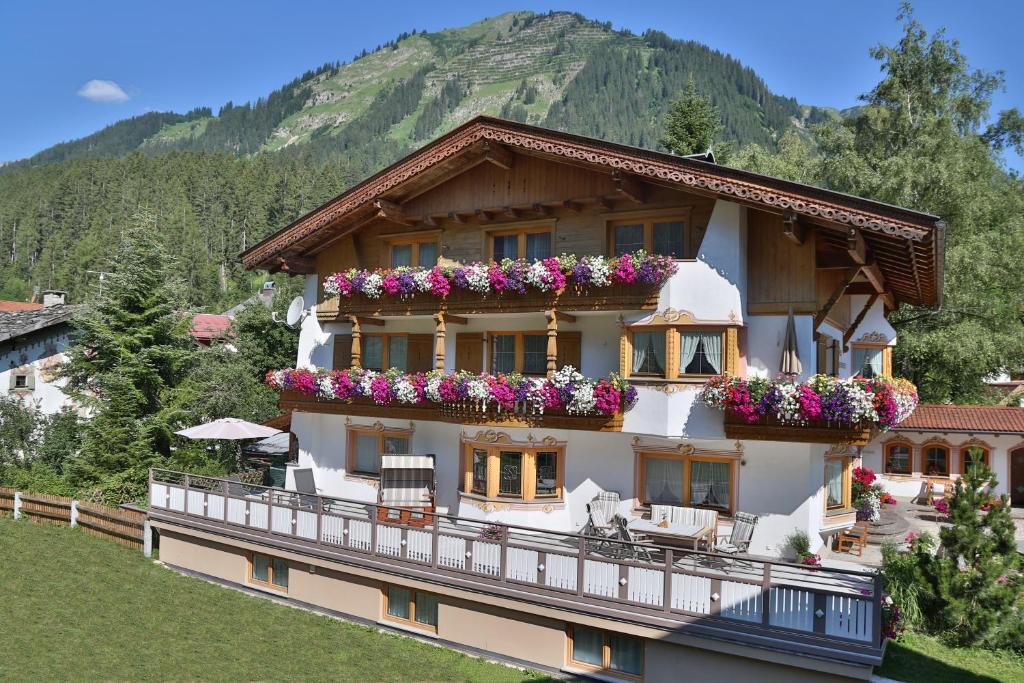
905,245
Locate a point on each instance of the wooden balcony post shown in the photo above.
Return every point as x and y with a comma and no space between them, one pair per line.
552,366
357,344
439,350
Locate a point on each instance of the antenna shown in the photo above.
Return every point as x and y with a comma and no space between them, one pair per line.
296,312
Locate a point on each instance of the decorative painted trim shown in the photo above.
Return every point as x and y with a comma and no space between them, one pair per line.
379,426
546,506
683,448
672,316
748,187
873,338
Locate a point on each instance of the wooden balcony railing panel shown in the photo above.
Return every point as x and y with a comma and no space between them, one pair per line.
817,611
815,431
461,301
466,412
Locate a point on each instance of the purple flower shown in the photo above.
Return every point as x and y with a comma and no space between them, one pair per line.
582,273
461,281
406,285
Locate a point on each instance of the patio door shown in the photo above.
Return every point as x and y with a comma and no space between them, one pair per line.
1017,477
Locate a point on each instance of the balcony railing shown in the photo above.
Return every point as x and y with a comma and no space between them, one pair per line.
573,298
813,431
817,612
467,412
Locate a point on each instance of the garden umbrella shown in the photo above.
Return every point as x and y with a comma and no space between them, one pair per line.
790,364
229,428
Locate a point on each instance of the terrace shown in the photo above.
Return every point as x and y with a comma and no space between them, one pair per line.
751,600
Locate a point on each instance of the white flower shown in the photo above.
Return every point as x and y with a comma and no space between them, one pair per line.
536,275
600,273
476,278
325,387
568,374
432,388
405,391
421,278
331,287
373,285
582,399
477,389
365,381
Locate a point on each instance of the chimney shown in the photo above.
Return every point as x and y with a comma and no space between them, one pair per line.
53,297
267,293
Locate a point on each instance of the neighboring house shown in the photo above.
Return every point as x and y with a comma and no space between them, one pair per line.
753,254
33,339
208,328
937,442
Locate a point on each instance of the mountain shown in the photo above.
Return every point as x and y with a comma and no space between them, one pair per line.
221,181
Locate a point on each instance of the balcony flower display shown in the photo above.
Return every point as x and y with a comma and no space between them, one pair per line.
567,390
881,400
510,275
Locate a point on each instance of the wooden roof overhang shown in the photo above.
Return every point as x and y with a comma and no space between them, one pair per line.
902,246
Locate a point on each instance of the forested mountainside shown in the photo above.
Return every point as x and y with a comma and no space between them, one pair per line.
217,183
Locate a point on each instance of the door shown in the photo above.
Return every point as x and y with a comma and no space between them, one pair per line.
1017,477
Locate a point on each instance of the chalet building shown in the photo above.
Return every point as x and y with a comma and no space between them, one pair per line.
473,503
33,339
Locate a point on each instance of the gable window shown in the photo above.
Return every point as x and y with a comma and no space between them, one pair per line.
411,607
971,456
898,458
366,445
688,480
525,352
606,652
413,250
21,381
665,236
676,352
838,483
532,244
512,471
936,460
267,571
870,361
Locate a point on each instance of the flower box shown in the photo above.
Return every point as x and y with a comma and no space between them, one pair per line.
768,428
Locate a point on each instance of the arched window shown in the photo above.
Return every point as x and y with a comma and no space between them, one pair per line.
898,458
936,460
971,454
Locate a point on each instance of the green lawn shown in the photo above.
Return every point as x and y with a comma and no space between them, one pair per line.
926,659
73,607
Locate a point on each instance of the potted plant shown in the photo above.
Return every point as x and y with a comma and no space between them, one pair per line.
800,544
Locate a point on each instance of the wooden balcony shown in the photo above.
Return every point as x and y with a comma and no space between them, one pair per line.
466,412
459,301
816,431
748,600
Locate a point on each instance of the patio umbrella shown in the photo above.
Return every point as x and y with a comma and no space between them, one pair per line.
790,364
230,429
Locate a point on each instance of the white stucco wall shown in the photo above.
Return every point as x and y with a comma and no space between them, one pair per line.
40,355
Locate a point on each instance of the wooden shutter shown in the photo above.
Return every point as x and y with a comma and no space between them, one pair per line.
469,351
420,353
570,349
342,351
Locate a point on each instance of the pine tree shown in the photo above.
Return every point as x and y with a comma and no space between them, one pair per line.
974,582
131,350
693,123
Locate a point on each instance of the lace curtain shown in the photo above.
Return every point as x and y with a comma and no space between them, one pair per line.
664,481
709,483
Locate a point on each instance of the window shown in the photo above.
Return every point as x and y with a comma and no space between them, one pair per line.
21,381
688,480
676,352
525,352
604,651
871,361
366,445
532,244
898,459
383,351
409,606
838,484
267,571
971,456
936,460
663,236
828,355
511,471
413,251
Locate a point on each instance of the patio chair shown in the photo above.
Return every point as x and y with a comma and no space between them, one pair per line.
855,538
627,549
598,525
305,483
739,539
407,488
608,503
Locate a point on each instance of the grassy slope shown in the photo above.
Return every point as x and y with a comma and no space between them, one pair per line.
80,608
926,659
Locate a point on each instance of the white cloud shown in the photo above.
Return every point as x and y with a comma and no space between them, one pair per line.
103,91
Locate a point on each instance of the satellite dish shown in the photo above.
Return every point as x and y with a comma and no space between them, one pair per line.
296,311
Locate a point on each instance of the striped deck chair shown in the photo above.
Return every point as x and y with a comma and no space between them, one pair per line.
739,539
407,483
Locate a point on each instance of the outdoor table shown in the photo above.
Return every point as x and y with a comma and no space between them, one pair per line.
674,534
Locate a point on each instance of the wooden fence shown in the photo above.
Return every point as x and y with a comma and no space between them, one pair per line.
127,527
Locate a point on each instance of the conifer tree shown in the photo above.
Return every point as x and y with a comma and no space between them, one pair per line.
974,582
693,123
131,350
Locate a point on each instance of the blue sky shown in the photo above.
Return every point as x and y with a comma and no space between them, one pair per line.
133,57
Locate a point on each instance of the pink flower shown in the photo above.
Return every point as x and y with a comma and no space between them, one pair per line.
624,272
381,390
606,397
447,390
911,537
1003,579
391,285
552,399
496,277
503,394
810,403
942,507
344,387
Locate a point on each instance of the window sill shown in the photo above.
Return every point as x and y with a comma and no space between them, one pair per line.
839,512
373,479
536,502
408,627
281,593
662,381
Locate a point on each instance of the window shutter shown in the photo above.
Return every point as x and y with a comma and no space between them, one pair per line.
420,353
342,351
570,349
469,351
13,379
30,379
